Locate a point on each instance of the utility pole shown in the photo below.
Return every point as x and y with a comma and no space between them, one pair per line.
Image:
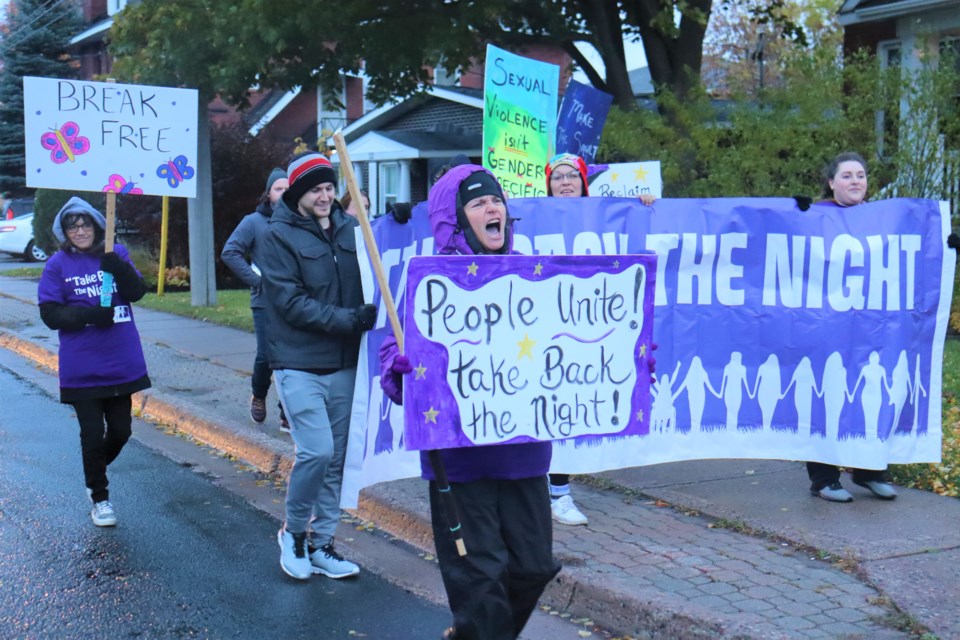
203,282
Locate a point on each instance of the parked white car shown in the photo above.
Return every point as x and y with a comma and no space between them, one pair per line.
16,237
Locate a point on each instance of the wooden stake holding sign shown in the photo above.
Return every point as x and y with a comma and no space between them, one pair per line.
106,282
450,511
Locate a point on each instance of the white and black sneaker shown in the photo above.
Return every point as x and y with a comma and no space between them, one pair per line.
102,514
328,562
293,554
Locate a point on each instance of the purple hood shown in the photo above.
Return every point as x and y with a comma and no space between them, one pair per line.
444,222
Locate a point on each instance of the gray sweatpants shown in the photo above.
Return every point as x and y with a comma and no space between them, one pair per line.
318,409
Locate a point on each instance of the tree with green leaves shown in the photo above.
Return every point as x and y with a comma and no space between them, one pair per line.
228,47
34,43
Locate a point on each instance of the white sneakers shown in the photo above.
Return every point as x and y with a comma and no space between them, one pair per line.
102,514
326,561
566,512
300,560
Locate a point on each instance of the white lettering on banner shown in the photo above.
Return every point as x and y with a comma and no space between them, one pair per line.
847,286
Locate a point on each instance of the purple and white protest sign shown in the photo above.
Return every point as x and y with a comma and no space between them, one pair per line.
785,334
510,349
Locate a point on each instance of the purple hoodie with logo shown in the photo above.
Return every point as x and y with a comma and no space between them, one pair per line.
92,356
467,464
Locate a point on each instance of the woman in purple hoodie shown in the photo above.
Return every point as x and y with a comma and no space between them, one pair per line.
501,491
101,361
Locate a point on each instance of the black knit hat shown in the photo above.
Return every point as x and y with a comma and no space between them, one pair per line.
305,172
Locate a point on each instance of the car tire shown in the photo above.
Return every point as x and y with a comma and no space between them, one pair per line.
35,253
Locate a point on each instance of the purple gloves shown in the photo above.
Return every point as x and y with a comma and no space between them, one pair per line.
392,378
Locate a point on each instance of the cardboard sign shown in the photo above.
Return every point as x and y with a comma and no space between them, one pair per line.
102,136
527,348
519,120
625,180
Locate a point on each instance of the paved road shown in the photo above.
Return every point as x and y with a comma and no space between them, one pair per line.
187,559
9,262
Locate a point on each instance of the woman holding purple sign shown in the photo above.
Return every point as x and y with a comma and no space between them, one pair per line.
100,360
845,185
500,491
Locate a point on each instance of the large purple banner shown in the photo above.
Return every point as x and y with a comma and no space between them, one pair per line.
782,334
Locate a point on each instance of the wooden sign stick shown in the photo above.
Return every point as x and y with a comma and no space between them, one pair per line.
450,511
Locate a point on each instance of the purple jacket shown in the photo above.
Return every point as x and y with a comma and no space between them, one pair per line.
92,356
493,462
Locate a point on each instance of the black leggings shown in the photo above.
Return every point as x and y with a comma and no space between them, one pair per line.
823,475
105,426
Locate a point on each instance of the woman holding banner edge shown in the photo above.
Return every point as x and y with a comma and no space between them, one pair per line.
845,185
567,178
500,491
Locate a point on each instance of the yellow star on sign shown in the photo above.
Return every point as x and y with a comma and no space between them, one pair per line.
614,177
526,347
472,269
537,270
643,350
640,174
421,371
431,415
640,415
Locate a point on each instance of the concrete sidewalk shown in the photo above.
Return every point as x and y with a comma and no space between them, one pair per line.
693,550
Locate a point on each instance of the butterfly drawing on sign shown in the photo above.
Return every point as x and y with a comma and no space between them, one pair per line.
65,143
176,171
118,184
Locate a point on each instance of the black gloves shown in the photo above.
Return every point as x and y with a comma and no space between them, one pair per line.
401,211
73,317
112,263
803,202
953,241
99,316
366,316
129,283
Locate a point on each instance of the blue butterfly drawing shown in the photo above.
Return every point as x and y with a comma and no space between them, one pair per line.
176,171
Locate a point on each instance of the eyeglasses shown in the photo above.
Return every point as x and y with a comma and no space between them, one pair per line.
80,226
563,177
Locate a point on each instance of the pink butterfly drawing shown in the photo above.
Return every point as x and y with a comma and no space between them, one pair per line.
118,184
175,171
65,143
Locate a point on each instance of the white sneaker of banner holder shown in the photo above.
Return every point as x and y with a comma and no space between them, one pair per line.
833,493
566,512
879,488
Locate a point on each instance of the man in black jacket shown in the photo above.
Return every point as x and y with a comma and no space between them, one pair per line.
316,315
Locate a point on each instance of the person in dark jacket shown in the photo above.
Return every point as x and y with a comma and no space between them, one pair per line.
243,244
500,491
316,315
100,358
845,185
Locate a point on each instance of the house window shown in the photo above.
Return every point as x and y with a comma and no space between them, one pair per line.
115,6
389,184
891,57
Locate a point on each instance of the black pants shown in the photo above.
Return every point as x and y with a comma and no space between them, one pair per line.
509,538
105,426
823,475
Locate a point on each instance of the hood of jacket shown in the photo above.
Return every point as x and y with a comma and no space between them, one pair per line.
77,205
446,218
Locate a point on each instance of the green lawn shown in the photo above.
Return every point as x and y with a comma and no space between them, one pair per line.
233,309
24,272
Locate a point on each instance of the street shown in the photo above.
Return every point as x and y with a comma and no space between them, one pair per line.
187,558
